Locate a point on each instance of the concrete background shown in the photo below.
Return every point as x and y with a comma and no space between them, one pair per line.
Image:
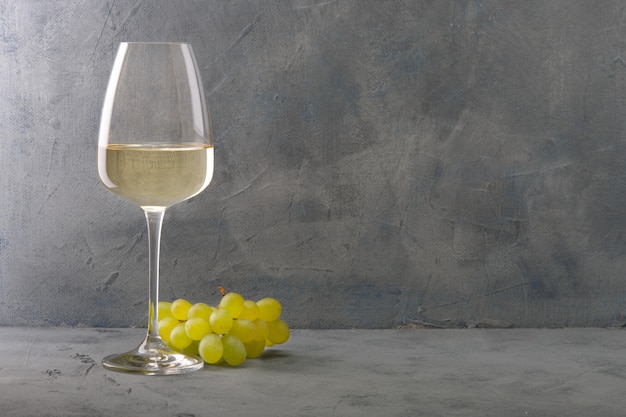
378,163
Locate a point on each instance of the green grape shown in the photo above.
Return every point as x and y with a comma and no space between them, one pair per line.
233,331
179,308
164,309
250,310
211,348
165,327
197,328
278,331
232,302
243,330
269,309
221,321
178,337
234,350
254,348
262,331
201,310
192,349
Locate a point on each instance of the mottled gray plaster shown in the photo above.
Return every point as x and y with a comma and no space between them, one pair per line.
451,163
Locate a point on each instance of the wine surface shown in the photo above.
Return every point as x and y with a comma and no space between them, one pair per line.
156,175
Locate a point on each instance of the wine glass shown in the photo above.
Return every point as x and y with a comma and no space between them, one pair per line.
155,149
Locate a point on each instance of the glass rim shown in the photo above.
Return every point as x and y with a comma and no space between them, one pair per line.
155,43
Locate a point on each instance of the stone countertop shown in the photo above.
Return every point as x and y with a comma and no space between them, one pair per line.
401,372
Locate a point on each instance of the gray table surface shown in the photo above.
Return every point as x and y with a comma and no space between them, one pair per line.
401,372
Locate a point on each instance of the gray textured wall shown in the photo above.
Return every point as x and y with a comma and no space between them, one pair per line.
377,162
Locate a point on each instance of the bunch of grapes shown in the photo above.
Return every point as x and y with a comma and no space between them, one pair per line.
232,331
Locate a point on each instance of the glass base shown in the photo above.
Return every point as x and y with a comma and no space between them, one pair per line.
153,357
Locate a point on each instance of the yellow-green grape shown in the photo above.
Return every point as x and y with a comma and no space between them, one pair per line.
178,337
262,331
211,348
234,350
192,349
269,309
165,327
250,310
179,308
164,309
197,328
268,343
243,330
201,310
221,321
278,331
254,348
232,302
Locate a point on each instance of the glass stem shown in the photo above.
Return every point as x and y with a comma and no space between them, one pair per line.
154,218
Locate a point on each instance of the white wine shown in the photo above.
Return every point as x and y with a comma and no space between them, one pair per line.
156,174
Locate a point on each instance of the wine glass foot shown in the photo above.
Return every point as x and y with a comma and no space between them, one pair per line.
153,358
